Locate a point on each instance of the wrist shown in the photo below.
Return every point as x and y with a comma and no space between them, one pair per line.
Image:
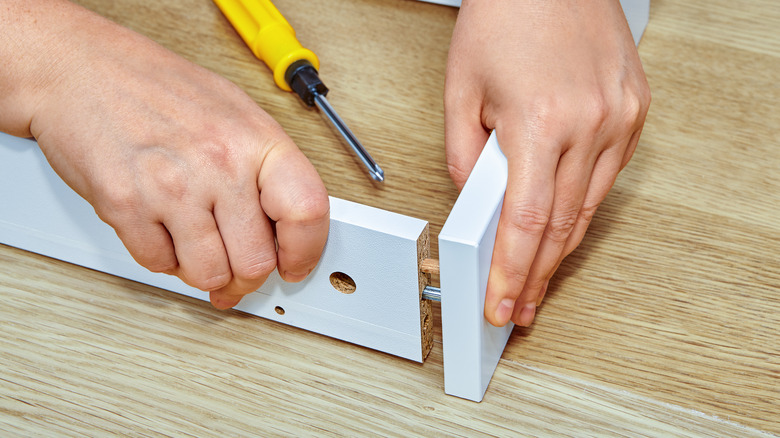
34,45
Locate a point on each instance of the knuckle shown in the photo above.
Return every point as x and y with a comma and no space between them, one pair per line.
517,275
635,107
547,112
587,212
160,264
632,112
458,173
546,106
534,287
257,269
645,95
172,181
152,254
528,219
311,208
117,201
158,172
647,98
594,117
559,227
208,282
597,112
220,156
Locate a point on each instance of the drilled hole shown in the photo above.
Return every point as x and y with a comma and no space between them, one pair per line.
342,282
279,310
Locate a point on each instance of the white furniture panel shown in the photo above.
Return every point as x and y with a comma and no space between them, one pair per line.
472,347
637,13
377,249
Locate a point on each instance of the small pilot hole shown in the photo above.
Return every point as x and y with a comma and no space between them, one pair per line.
279,310
342,282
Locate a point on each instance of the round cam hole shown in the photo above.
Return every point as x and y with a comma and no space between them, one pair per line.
342,282
279,310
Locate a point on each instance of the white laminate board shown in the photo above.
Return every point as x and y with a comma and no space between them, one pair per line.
637,14
455,3
377,248
472,347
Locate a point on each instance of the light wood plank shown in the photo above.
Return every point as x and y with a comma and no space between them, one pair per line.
74,364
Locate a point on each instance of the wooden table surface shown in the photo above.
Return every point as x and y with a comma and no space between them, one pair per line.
666,320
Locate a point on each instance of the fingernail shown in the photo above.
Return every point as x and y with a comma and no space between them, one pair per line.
295,278
504,310
224,303
527,315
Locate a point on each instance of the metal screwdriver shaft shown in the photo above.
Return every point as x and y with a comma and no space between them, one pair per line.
374,170
272,39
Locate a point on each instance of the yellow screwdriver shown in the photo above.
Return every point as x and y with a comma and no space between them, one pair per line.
272,40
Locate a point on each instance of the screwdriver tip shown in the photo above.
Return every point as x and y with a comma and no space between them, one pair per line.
378,174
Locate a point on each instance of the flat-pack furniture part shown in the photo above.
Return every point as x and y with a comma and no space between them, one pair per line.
375,250
367,288
472,347
637,13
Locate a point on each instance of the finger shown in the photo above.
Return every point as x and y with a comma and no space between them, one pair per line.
249,240
524,216
203,261
464,134
543,292
525,313
293,195
632,144
605,172
571,183
150,245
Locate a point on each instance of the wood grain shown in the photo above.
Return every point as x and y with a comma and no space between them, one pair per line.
430,266
665,322
424,279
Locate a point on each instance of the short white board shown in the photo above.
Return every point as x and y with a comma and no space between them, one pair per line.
472,346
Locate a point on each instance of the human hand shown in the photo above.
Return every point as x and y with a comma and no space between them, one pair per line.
563,86
194,177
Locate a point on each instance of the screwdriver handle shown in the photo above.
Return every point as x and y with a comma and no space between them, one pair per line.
268,35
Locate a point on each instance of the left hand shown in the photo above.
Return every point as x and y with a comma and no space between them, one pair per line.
194,177
563,86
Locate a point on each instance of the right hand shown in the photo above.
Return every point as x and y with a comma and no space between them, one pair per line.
562,85
195,178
